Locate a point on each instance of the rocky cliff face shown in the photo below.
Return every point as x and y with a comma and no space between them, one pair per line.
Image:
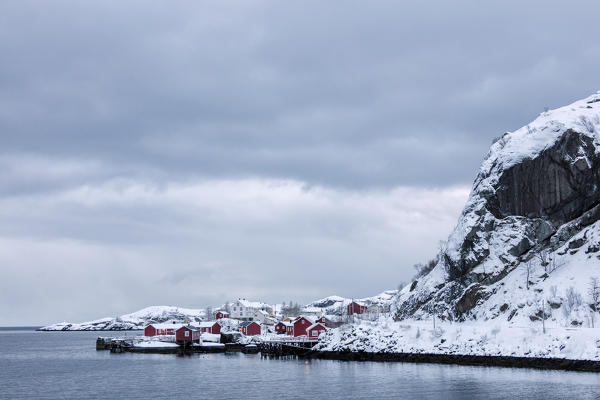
538,188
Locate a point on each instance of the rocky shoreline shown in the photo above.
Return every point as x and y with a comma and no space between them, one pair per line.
473,360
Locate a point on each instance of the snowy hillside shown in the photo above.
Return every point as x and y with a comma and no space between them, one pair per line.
527,244
136,320
336,305
148,315
464,338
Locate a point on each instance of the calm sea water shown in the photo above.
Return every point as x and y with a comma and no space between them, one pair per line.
65,365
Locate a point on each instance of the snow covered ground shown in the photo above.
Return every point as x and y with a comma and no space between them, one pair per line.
464,338
156,345
135,320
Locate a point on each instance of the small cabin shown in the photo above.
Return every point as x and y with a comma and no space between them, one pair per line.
221,314
299,326
250,328
187,333
356,308
161,329
315,330
280,327
210,327
289,328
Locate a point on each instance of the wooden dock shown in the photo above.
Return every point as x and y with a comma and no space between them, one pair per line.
286,348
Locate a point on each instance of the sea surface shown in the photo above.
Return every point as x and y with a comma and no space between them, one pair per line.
65,365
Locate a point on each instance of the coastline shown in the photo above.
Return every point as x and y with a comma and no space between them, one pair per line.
458,359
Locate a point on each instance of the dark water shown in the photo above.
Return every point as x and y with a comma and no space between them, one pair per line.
65,365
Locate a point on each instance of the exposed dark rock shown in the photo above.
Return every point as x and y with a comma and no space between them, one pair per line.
575,244
504,307
413,285
551,186
470,297
520,206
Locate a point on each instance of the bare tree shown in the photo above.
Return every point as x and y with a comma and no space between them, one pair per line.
528,268
572,301
554,263
594,292
543,257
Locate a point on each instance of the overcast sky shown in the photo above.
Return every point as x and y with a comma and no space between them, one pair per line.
189,153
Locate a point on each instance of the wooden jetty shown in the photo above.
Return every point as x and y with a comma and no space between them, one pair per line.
293,347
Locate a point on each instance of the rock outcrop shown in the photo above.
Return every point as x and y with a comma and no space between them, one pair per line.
537,195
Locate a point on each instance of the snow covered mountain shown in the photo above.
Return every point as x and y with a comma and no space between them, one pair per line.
136,320
159,314
527,244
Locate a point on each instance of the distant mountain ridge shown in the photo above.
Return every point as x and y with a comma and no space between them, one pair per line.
162,314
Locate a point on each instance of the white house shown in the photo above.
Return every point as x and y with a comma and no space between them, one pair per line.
245,310
263,318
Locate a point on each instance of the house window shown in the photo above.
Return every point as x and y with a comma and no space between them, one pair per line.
187,333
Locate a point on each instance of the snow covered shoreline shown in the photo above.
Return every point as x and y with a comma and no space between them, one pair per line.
463,339
460,359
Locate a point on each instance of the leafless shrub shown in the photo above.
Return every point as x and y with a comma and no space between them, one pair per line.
594,292
555,263
424,269
543,257
587,124
528,268
572,301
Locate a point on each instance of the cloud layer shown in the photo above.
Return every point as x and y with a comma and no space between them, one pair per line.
257,148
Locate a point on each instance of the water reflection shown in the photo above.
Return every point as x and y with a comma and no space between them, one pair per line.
66,365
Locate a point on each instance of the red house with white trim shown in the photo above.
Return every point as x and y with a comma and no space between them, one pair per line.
315,330
298,326
187,333
210,327
356,308
250,328
221,314
161,329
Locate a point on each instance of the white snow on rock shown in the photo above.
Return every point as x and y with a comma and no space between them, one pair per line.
133,321
465,338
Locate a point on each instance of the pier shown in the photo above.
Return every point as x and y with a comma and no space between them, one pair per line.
286,347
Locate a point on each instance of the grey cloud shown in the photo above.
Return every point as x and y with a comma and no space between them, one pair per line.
310,82
106,107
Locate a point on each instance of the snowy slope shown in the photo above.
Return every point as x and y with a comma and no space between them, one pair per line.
516,275
336,305
464,338
136,320
533,206
157,314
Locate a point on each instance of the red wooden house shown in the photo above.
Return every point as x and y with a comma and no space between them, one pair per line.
356,308
210,327
315,330
298,326
221,314
161,329
280,327
250,328
187,333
